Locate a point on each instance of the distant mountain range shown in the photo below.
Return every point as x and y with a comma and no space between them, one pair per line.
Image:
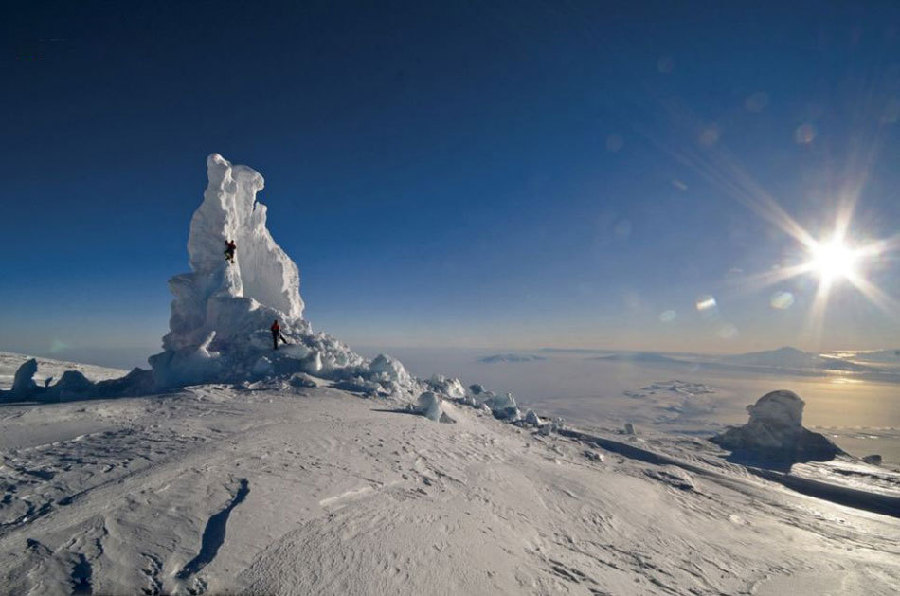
877,363
510,357
792,358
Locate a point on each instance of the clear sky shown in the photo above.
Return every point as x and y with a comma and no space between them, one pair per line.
482,174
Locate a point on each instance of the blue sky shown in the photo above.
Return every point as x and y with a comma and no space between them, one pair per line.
505,174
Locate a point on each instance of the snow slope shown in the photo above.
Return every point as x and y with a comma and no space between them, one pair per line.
299,491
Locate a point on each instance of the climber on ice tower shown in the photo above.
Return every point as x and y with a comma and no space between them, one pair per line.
230,247
276,334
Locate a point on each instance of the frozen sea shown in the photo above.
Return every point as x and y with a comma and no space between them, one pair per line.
860,412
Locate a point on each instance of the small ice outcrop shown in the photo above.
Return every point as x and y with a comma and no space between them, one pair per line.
138,382
23,384
389,369
503,406
774,432
533,419
555,425
73,382
431,406
452,388
477,389
302,380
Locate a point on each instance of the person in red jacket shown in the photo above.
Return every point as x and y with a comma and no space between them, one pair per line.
276,334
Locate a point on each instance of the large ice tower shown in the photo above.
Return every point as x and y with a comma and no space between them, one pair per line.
221,308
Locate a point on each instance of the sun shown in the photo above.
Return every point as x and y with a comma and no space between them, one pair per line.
833,261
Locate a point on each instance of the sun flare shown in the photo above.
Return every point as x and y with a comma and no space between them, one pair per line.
833,261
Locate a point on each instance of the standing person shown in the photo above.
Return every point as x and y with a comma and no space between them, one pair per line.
276,334
230,247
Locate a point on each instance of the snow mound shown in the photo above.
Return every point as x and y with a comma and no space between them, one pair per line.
775,432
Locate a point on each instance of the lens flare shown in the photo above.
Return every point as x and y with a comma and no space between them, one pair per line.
781,300
704,303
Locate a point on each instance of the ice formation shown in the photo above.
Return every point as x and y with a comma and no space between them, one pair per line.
775,432
22,381
533,419
430,406
73,384
222,311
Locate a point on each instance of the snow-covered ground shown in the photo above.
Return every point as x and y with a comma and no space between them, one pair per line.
318,491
